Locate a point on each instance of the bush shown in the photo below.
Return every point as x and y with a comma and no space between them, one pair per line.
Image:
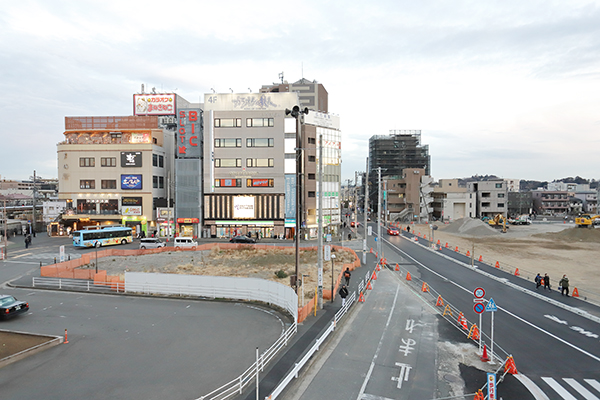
281,274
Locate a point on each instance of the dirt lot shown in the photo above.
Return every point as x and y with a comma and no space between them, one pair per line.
243,262
552,248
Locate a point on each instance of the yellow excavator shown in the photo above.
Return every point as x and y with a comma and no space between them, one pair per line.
587,220
499,221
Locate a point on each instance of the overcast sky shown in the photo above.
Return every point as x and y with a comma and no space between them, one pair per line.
510,88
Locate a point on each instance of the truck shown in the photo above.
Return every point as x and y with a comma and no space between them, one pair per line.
523,219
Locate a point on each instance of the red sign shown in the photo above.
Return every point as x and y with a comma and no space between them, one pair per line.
478,308
187,126
260,182
188,220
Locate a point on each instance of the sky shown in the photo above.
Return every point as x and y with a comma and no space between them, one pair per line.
509,88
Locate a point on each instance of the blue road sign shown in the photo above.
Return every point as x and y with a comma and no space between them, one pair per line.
491,306
478,308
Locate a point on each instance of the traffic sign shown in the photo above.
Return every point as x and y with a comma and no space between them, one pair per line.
491,306
479,293
478,308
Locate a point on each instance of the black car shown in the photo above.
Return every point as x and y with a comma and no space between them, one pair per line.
9,306
242,239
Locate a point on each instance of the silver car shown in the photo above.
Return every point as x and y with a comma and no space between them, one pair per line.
151,243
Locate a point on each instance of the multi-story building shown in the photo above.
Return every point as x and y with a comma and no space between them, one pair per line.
589,201
311,93
513,185
395,152
408,197
111,170
451,201
519,203
550,202
491,197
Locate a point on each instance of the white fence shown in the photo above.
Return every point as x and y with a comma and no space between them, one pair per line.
251,289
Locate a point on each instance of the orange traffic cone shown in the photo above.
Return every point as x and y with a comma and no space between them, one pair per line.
480,258
497,264
374,277
456,249
419,234
377,267
575,293
361,298
462,321
425,237
369,287
66,338
424,287
510,366
446,245
468,253
439,301
517,273
473,332
371,251
438,242
397,267
484,356
408,277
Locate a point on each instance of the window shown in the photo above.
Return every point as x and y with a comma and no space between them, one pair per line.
260,162
158,161
312,140
228,163
311,194
311,158
155,160
228,142
158,182
485,204
108,161
500,195
257,122
87,184
161,161
228,122
87,162
228,183
259,182
108,184
260,142
155,182
500,205
311,176
498,186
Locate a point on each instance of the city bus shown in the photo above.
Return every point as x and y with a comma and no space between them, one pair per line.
102,236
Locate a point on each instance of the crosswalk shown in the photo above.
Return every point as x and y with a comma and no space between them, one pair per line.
45,256
572,389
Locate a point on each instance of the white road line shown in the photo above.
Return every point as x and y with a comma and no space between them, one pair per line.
532,387
387,324
22,255
593,383
558,389
577,386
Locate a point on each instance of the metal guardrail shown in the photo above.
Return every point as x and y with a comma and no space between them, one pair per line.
300,364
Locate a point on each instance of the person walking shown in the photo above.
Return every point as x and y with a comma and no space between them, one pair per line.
408,229
547,282
347,276
343,294
564,285
27,241
538,280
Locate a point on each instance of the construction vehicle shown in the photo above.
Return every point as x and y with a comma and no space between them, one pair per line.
499,221
587,221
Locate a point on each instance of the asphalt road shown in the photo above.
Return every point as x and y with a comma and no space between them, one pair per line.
128,346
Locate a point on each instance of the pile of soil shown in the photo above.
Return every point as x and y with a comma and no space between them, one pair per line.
574,235
470,227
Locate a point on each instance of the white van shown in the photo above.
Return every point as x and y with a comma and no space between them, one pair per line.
183,242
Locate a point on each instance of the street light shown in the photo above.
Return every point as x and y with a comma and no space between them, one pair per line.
297,114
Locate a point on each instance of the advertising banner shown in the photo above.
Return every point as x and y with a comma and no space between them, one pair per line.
131,182
153,104
131,210
243,207
290,196
131,159
189,133
131,201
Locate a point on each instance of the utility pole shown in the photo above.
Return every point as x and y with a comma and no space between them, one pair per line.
169,209
378,213
33,223
5,226
355,200
366,211
320,233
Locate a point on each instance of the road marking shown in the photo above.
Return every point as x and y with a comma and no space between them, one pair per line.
558,389
556,319
373,397
364,385
22,255
403,377
408,346
577,386
593,383
532,387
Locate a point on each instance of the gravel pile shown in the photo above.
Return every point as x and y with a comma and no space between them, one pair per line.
470,227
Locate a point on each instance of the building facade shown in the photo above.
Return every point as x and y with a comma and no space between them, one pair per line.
452,202
408,198
491,197
550,202
519,203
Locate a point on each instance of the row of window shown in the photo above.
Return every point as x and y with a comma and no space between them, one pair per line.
250,122
250,162
249,182
250,142
157,161
158,182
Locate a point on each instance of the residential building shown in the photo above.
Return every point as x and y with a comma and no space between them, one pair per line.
407,197
451,201
513,185
519,203
111,170
567,187
491,197
550,202
589,201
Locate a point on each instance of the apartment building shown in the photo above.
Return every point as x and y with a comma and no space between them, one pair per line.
491,197
451,201
408,197
550,202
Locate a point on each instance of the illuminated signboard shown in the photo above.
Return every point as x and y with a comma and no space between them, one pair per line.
153,104
131,182
131,210
188,131
243,207
259,182
131,159
131,201
188,220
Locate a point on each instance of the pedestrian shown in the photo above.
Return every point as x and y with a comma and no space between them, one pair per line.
408,229
547,282
538,281
343,294
27,241
347,276
564,285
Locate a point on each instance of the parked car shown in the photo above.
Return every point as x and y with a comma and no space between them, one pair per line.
151,243
242,239
393,231
184,242
9,306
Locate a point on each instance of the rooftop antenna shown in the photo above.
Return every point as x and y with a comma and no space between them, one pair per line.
153,90
281,77
213,90
143,88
